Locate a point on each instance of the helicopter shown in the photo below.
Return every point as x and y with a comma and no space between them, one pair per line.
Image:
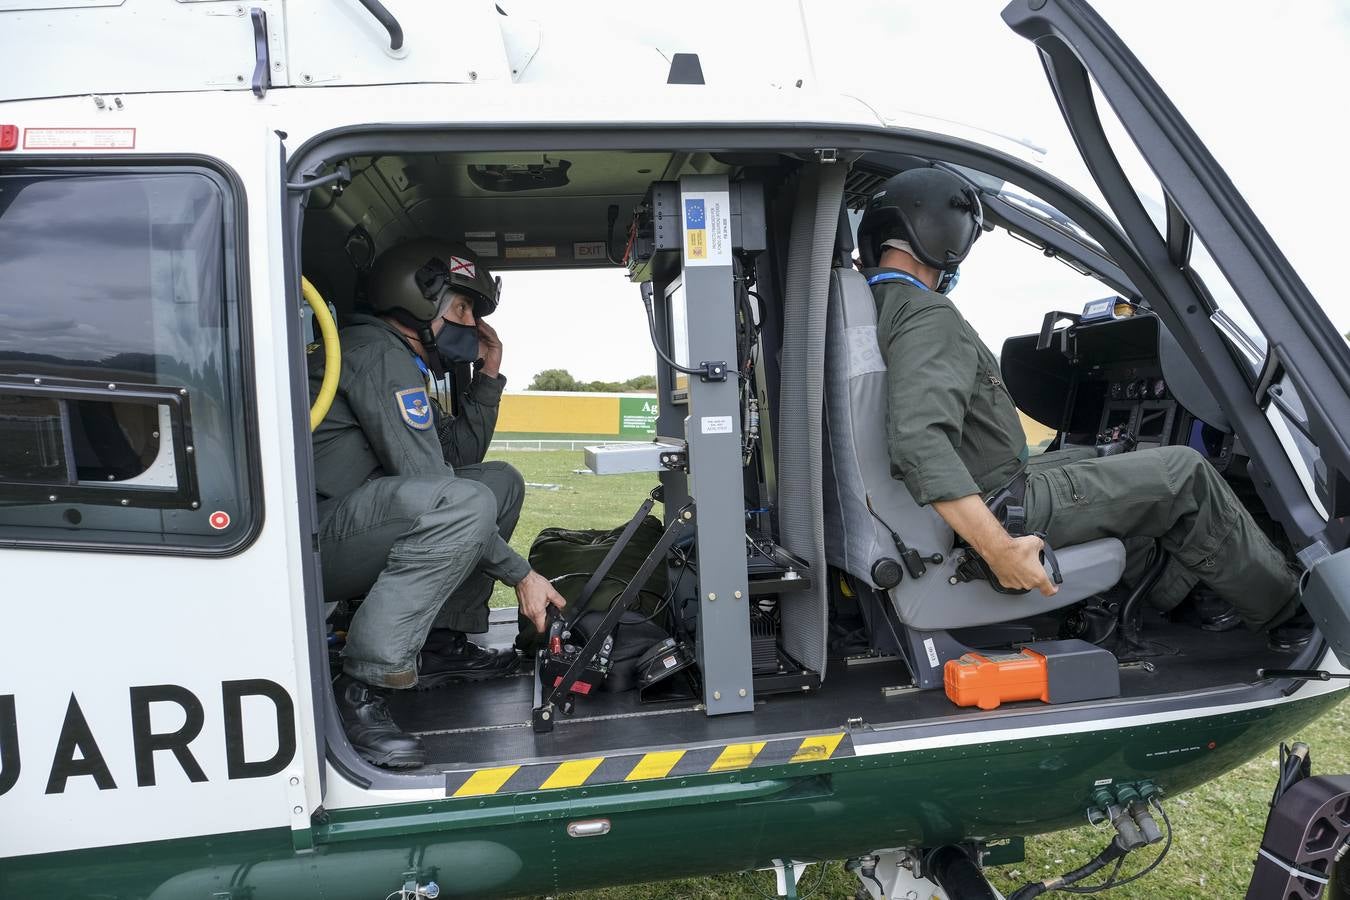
182,224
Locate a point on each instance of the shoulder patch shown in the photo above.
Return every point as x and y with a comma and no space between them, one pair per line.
415,408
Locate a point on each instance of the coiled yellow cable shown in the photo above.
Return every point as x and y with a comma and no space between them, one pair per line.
332,353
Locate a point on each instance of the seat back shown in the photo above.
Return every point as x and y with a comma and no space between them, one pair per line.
857,467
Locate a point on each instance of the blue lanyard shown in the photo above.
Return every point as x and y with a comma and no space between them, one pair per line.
897,276
422,365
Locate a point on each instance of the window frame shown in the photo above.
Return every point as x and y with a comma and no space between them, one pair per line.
234,209
184,494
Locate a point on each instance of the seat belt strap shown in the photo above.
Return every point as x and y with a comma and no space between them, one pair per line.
1008,504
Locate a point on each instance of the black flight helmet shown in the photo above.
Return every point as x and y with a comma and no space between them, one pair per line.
937,212
413,280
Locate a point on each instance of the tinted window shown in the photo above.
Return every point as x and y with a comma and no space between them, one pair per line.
122,397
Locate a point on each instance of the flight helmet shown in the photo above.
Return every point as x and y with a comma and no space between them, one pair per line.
936,211
413,279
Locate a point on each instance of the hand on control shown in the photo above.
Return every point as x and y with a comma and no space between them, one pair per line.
489,349
535,594
1018,565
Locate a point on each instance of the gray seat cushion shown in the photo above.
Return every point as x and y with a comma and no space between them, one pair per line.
856,467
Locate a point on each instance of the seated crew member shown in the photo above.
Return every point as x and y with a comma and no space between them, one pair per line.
409,514
955,438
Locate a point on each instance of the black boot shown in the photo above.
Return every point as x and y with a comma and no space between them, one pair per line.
1293,634
370,728
1206,610
450,656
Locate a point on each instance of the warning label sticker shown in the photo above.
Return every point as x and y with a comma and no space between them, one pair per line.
707,228
717,424
535,252
79,138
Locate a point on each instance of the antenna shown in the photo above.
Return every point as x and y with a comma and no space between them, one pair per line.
806,40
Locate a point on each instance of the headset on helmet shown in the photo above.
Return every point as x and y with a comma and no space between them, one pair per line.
937,212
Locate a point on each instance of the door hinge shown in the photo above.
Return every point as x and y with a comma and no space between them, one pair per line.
341,177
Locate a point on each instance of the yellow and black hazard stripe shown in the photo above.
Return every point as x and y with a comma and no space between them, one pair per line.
592,770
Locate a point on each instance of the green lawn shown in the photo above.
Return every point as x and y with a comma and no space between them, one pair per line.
1218,825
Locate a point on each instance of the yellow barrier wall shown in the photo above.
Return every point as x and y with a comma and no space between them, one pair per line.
559,412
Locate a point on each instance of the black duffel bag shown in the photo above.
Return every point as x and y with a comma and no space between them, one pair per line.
567,557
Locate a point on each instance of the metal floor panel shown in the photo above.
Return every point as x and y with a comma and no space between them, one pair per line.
487,723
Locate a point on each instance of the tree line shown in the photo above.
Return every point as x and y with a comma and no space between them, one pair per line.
562,380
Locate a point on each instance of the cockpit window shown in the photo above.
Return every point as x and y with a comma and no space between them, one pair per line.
1049,215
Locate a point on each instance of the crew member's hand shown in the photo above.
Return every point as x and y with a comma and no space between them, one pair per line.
1018,566
535,594
489,349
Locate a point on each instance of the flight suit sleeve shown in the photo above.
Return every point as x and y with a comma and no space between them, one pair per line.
465,438
373,391
499,561
930,373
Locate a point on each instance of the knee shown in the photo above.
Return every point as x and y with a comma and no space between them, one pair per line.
1187,466
451,503
470,499
1182,459
506,482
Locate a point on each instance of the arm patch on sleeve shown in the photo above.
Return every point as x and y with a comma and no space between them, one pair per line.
415,408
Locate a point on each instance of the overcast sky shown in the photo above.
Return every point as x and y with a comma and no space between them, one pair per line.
1266,86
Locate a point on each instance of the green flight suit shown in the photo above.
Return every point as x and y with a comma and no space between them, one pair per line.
953,431
409,515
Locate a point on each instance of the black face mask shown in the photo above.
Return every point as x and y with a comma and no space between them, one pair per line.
457,343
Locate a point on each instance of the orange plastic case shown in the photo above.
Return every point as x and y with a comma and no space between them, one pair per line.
977,679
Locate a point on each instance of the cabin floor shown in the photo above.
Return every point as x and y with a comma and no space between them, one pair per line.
488,723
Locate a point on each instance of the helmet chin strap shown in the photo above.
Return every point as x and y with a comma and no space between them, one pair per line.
432,355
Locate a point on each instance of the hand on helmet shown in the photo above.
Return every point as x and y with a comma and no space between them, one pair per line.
489,349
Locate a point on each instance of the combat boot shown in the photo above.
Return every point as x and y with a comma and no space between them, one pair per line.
449,655
372,730
1293,634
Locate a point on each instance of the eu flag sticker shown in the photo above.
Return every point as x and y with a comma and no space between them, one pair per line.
415,408
694,216
695,230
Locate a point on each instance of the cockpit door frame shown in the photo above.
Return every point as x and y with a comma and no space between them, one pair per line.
1079,49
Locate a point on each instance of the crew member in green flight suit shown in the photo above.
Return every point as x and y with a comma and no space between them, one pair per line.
955,438
409,514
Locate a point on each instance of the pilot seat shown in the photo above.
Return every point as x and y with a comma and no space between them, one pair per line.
864,504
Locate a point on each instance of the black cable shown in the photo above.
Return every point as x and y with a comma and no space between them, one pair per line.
651,329
613,216
1153,801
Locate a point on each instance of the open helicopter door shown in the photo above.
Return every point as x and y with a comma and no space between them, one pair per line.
1289,401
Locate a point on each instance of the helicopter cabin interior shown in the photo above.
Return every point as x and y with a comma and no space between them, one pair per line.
855,596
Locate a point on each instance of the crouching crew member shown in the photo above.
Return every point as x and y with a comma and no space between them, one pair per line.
409,514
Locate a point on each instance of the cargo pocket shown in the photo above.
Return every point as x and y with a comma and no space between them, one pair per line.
1072,521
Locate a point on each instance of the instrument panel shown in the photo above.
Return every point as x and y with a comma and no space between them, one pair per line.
1101,383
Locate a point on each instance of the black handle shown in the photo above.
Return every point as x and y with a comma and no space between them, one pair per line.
386,18
262,57
1048,554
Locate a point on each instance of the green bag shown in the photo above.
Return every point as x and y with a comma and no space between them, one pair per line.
568,557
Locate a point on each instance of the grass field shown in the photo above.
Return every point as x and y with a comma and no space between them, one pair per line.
1218,825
